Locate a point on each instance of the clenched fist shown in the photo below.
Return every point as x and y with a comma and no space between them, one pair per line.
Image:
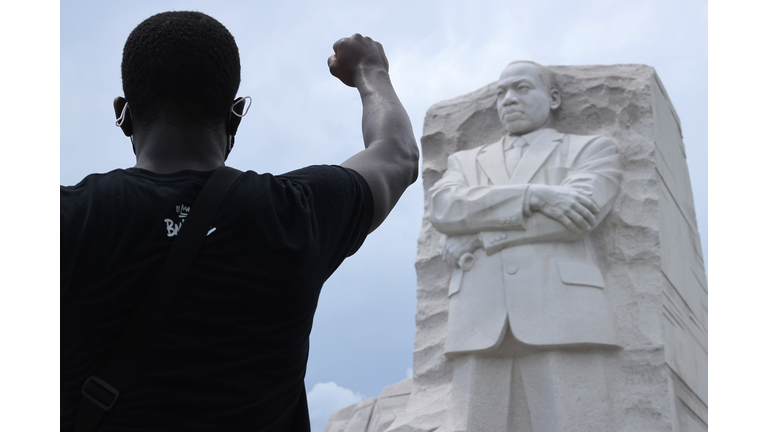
356,56
453,247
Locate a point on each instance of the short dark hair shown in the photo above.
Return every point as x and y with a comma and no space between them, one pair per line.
186,62
546,75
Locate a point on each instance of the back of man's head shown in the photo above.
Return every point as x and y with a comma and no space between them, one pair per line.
181,67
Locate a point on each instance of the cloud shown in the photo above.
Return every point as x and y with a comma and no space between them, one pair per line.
324,399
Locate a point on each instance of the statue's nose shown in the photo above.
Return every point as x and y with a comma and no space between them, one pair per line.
509,98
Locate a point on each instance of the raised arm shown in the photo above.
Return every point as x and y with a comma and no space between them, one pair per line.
390,160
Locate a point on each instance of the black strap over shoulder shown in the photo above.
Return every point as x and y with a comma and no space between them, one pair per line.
100,391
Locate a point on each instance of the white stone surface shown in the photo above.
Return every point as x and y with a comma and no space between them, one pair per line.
338,421
390,404
517,214
647,250
372,414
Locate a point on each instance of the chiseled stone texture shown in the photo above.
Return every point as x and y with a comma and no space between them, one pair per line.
372,414
338,421
648,246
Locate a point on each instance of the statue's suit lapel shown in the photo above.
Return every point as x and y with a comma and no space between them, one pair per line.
537,153
491,161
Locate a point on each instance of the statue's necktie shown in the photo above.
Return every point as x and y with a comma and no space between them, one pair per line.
513,153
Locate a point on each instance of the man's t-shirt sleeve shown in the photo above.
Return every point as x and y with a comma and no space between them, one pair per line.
341,206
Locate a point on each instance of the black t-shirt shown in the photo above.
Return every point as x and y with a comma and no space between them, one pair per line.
231,352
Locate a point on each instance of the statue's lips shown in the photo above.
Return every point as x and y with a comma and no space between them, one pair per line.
512,115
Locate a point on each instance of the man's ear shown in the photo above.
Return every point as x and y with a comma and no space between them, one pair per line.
238,106
554,99
123,115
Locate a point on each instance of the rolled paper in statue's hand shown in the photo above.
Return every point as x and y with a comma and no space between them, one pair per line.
467,261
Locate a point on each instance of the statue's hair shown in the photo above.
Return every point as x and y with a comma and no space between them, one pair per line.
184,64
546,75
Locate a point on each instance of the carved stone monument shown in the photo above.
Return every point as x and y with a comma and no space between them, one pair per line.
561,284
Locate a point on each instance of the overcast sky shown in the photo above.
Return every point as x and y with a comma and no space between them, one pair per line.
301,115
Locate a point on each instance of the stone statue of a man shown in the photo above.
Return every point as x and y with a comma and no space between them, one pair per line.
529,325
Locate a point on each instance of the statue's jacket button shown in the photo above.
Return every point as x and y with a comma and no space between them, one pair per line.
511,269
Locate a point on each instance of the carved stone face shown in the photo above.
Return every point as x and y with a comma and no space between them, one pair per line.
523,101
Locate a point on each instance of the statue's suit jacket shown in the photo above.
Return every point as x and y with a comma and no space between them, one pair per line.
532,271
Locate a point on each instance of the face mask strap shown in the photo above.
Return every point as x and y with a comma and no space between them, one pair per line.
237,102
119,122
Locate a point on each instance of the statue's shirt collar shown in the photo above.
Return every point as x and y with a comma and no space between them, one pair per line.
530,137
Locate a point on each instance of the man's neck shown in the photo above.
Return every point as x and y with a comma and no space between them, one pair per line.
170,148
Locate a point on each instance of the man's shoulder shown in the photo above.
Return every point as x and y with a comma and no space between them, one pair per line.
98,186
311,171
329,181
91,179
333,176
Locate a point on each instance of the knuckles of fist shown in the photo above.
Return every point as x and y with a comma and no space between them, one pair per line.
353,51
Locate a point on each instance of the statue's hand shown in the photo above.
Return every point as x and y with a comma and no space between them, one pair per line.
356,56
456,246
571,207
